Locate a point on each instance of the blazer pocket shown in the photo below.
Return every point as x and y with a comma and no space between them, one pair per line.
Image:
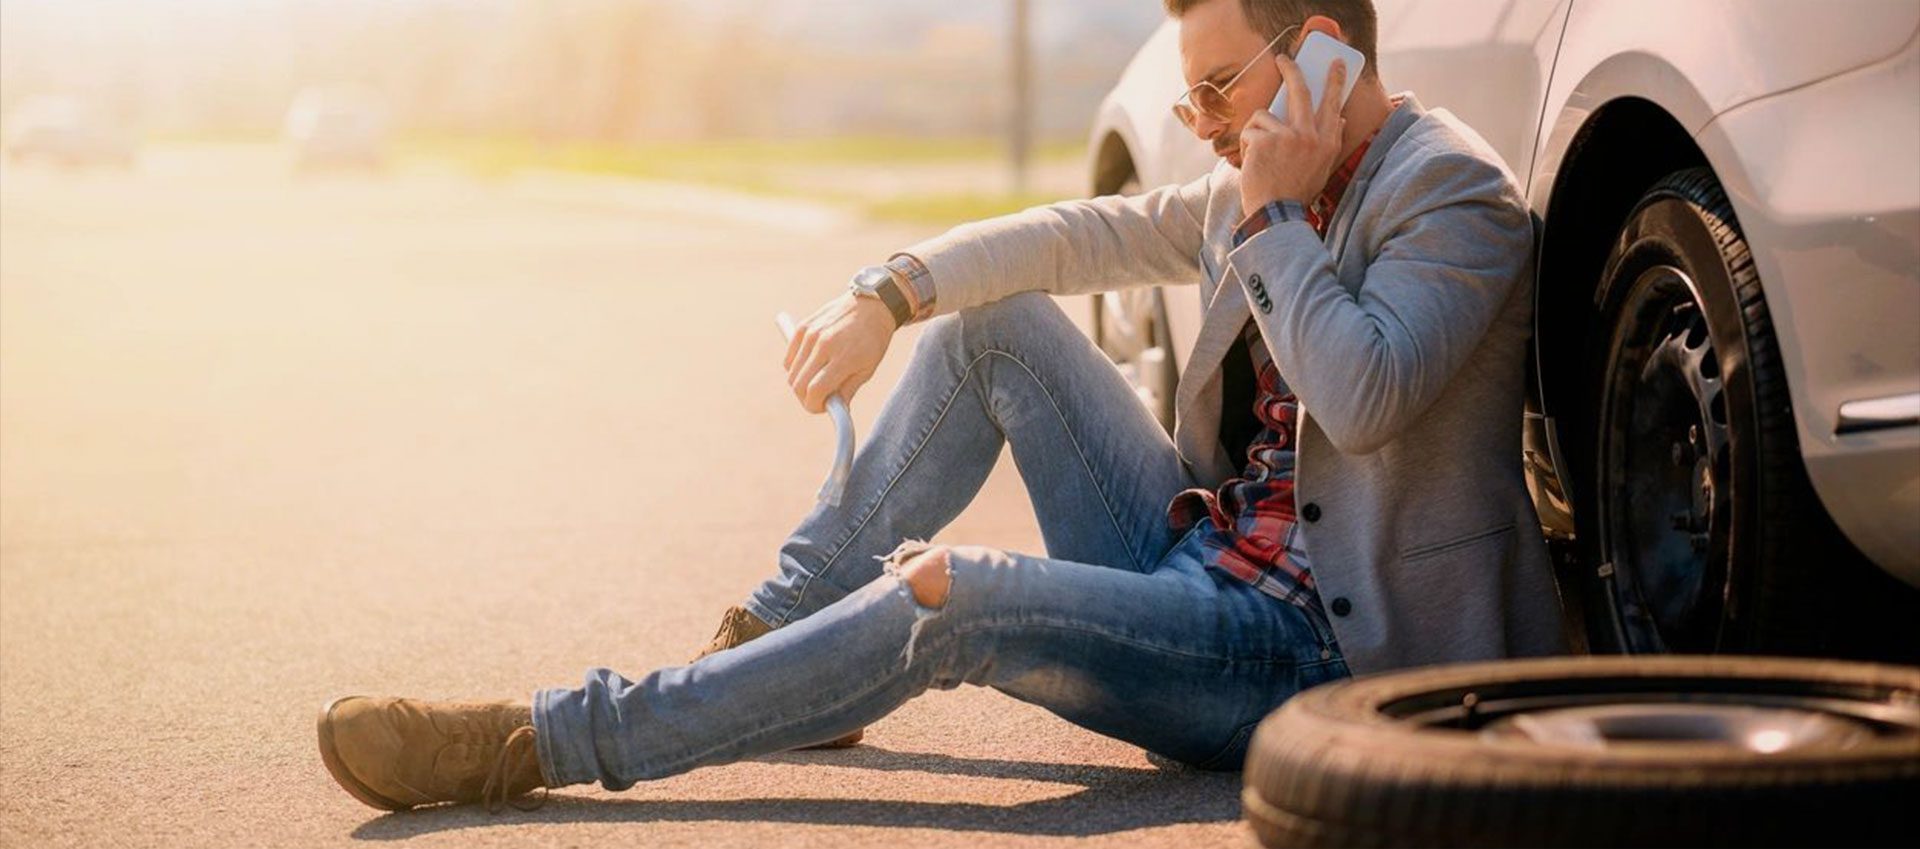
1432,549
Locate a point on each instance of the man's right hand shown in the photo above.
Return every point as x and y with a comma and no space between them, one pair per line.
836,350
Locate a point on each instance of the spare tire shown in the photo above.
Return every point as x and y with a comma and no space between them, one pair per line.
1594,751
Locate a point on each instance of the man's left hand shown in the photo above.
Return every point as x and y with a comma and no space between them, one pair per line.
1292,159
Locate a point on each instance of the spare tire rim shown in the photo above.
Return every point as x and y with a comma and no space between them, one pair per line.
1642,709
1745,728
1666,461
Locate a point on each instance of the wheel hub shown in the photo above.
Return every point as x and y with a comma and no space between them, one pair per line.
1759,730
1666,535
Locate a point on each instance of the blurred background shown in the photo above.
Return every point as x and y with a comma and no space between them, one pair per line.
876,105
426,347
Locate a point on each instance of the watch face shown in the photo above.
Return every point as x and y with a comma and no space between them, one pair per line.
870,279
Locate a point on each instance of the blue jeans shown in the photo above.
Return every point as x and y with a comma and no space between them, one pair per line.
1119,629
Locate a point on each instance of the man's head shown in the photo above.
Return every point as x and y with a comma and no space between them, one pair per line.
1218,37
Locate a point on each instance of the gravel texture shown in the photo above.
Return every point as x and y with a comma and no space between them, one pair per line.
269,440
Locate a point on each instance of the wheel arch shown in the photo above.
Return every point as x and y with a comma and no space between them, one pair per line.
1623,148
1112,163
1628,122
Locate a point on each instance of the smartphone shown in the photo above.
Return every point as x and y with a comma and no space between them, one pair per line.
1315,58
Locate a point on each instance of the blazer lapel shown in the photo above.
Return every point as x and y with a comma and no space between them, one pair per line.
1197,395
1347,212
1224,319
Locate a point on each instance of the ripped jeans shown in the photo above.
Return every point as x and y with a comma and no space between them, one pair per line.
1120,629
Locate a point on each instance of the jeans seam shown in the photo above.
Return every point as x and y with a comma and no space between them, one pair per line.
1134,642
943,640
1212,763
940,643
1106,503
805,714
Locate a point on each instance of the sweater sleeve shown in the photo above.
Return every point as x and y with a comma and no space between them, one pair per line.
1366,364
1069,248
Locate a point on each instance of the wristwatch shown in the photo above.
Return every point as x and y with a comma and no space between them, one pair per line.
876,281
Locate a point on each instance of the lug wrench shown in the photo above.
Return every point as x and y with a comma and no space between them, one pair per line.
836,483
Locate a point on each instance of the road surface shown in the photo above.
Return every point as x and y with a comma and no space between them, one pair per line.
264,441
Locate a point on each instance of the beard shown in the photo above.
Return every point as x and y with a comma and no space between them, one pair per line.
1228,148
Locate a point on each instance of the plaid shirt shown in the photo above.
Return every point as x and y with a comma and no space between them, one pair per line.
1251,532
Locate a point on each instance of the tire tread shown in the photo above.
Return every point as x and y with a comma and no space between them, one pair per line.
1329,769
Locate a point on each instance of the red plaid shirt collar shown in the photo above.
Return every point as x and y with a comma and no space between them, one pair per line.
1321,210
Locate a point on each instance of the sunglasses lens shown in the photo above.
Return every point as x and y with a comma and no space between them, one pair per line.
1210,102
1184,113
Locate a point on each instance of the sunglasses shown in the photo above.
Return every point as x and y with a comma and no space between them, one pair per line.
1205,98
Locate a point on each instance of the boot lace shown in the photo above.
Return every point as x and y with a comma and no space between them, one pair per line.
517,752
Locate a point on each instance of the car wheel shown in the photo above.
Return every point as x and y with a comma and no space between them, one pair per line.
1132,328
1594,751
1699,532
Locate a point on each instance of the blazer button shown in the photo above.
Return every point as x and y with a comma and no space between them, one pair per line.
1342,607
1311,512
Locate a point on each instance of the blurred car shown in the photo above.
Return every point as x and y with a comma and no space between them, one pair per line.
1724,414
67,131
336,127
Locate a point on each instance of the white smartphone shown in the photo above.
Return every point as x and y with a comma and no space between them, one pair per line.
1315,59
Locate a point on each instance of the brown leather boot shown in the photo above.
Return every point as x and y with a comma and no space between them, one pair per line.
395,754
738,626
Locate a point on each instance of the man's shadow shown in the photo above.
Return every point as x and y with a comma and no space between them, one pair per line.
1114,799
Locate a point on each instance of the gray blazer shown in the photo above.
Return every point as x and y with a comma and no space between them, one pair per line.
1403,334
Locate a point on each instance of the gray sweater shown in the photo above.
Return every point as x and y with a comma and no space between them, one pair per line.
1404,335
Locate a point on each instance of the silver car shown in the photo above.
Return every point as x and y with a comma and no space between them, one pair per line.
1724,423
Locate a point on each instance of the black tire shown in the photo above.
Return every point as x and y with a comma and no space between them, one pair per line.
1432,757
1698,529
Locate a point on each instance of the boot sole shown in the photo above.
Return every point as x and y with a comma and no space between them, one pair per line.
330,754
846,742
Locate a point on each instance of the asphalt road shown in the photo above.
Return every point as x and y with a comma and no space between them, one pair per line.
264,441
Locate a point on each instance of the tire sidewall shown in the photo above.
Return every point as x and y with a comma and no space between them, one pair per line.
1668,228
1344,763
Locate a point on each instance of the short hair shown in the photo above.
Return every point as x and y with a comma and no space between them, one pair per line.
1268,17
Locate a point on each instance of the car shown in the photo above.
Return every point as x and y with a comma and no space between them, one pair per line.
68,131
337,127
1723,423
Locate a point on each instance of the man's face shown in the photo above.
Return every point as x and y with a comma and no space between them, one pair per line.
1215,43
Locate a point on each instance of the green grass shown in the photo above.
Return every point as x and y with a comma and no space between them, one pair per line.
952,208
757,166
655,158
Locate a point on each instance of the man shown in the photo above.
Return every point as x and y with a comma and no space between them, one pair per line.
1366,279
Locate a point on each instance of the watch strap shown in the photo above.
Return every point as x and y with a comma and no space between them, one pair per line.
886,290
889,292
915,282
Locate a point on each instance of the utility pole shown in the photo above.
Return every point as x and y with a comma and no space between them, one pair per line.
1020,125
